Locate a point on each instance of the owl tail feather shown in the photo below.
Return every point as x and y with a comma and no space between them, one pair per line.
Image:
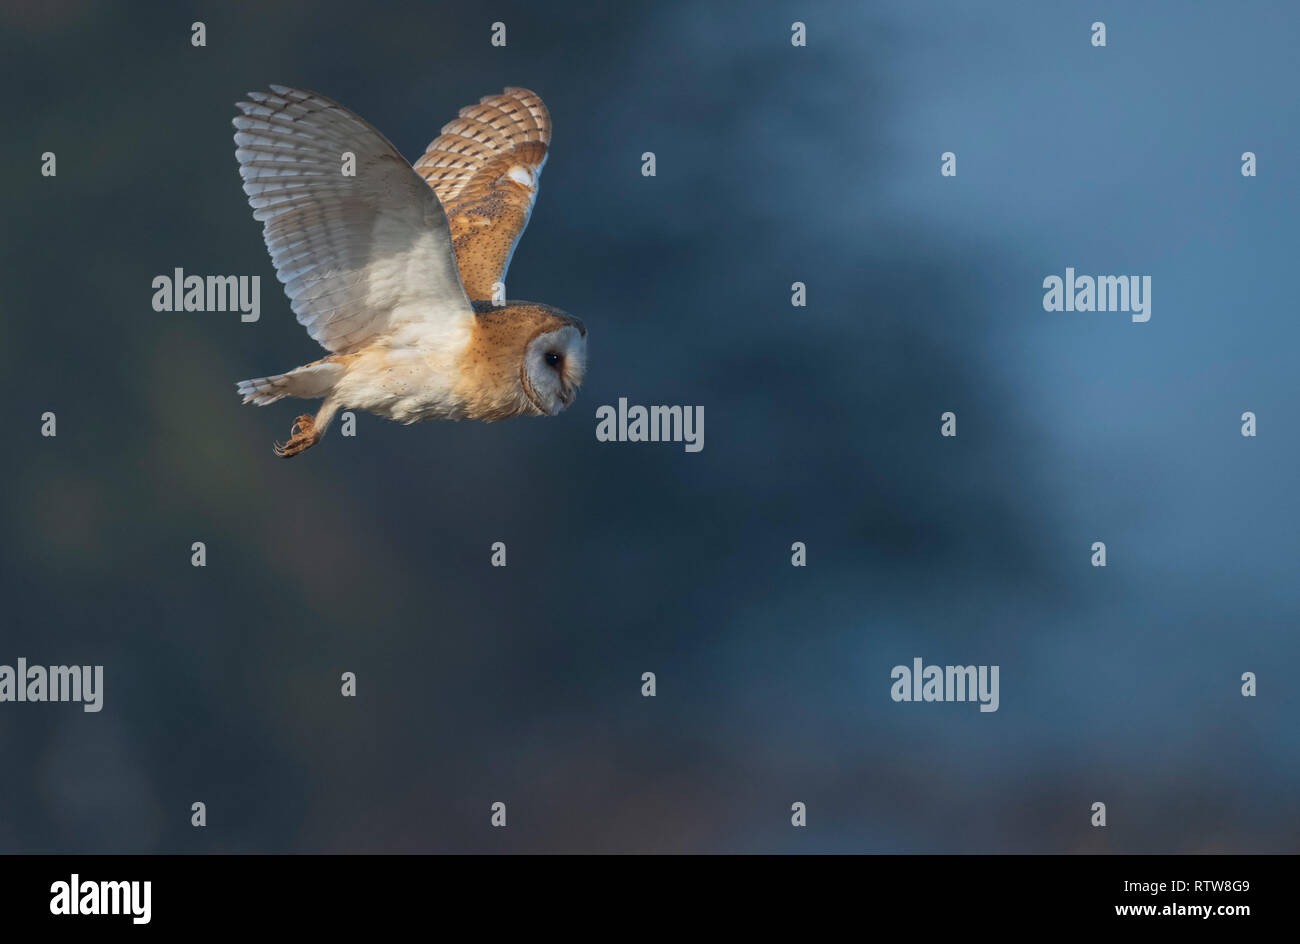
314,380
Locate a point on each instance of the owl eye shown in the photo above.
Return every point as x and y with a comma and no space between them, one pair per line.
553,358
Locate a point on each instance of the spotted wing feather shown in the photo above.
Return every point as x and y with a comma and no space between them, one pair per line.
485,168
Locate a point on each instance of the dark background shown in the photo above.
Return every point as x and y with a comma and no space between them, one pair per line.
522,684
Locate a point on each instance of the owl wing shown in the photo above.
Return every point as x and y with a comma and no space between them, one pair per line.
358,255
486,167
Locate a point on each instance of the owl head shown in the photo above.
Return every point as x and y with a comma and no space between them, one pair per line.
554,361
529,359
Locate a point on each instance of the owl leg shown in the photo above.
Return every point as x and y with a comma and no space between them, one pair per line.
307,431
302,437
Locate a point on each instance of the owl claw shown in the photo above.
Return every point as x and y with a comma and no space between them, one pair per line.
302,436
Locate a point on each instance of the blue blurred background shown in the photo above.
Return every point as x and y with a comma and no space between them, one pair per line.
775,164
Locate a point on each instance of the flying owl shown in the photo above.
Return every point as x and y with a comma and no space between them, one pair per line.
398,271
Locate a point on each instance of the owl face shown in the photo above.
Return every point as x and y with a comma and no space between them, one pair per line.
554,362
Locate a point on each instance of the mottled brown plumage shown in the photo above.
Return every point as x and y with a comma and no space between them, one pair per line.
485,168
492,381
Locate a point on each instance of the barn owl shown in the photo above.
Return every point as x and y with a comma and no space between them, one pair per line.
395,270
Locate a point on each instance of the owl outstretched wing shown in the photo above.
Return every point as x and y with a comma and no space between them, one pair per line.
359,255
485,168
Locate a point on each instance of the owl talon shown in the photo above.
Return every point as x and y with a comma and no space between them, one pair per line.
302,436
